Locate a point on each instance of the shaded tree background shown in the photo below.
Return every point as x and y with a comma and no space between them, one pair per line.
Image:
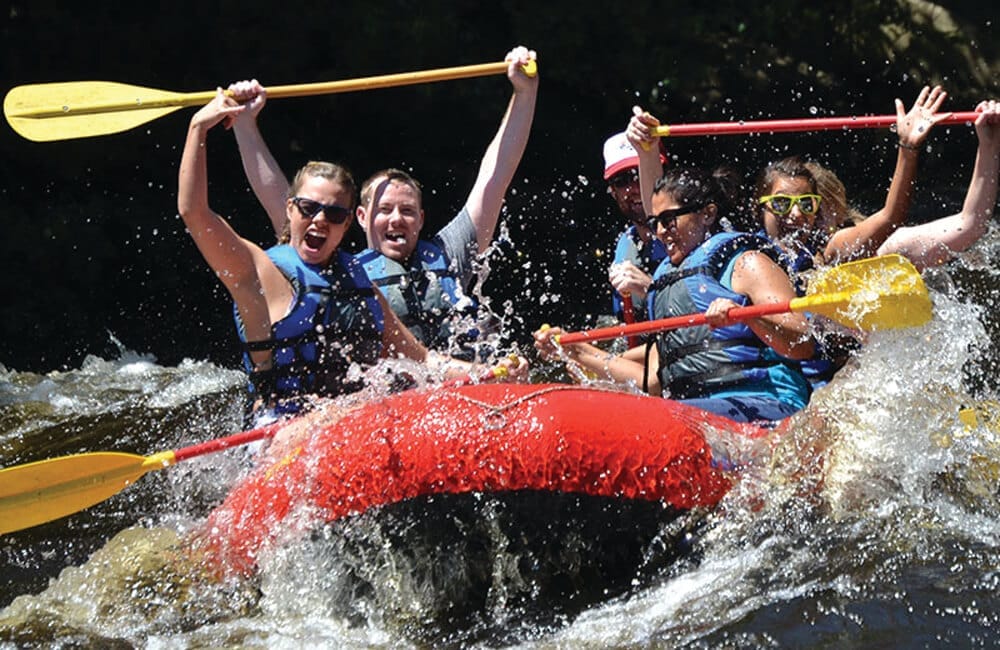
92,244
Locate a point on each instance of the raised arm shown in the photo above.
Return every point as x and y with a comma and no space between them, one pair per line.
912,128
935,243
647,147
263,172
225,251
505,150
234,260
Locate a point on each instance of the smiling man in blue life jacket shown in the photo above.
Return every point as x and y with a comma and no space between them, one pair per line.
424,281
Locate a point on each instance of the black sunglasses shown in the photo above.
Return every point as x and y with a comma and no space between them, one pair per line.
623,179
334,213
668,218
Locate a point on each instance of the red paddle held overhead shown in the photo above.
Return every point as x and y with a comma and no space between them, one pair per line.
795,125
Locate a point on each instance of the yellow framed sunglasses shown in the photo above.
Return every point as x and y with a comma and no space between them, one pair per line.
782,204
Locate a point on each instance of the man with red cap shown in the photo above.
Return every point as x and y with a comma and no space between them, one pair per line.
638,252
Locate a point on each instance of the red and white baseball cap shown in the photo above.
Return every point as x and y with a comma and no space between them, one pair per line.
619,155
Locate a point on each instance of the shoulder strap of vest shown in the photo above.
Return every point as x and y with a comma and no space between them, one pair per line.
667,279
264,345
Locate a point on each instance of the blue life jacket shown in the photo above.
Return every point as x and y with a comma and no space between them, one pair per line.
335,322
645,255
731,360
424,294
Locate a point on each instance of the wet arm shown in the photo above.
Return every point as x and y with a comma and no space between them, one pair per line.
504,152
626,368
225,251
912,128
934,243
764,282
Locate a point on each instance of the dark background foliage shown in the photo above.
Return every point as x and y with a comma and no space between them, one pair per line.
92,244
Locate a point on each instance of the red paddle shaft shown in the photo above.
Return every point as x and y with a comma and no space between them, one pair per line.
235,440
800,124
674,322
629,313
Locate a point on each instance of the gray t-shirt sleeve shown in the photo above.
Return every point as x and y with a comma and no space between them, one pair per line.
458,241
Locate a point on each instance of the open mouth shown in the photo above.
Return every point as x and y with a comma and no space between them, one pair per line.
314,240
396,237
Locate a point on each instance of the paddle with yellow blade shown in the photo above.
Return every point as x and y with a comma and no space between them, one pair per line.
80,109
42,491
871,294
39,492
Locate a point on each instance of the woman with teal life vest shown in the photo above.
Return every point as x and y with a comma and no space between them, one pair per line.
306,311
425,280
740,370
803,213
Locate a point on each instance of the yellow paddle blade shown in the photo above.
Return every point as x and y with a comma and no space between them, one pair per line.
876,293
985,414
46,490
79,109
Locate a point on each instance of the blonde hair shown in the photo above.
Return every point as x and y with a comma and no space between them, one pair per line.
835,212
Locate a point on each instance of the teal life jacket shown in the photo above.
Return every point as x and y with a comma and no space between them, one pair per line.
832,348
701,361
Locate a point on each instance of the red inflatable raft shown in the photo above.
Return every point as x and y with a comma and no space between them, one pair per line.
478,438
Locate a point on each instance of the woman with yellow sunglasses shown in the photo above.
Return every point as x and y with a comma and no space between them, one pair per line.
801,211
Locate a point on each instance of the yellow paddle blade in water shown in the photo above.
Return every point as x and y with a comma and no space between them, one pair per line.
985,414
884,292
46,490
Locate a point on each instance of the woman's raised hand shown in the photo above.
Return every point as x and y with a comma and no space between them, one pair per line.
913,126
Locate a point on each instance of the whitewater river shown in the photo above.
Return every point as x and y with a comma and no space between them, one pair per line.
875,521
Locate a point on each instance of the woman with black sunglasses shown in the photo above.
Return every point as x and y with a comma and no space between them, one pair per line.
305,309
427,280
738,370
